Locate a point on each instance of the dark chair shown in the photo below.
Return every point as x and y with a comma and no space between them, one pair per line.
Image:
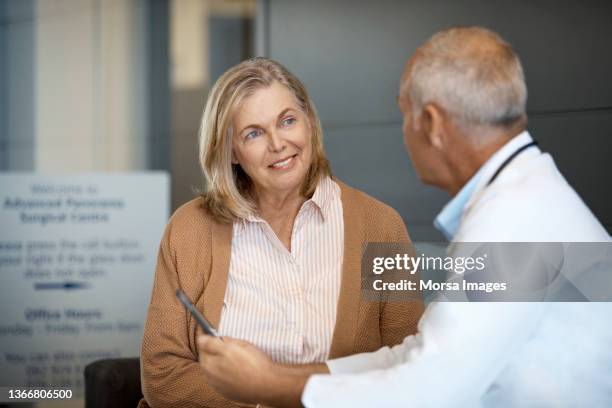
113,382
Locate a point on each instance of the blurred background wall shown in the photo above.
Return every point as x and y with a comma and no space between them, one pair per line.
76,89
119,85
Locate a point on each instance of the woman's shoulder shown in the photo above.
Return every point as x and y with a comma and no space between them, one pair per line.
190,223
191,213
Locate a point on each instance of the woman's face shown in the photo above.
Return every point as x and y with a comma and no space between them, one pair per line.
271,140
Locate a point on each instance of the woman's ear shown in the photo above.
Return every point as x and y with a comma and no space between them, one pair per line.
432,120
234,160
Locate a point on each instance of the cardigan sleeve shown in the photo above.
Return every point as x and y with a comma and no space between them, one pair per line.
398,318
170,372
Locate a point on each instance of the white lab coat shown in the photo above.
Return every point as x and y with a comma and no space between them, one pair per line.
494,354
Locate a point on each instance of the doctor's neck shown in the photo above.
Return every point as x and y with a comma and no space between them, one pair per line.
470,151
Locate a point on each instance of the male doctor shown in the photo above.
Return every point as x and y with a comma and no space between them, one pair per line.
463,98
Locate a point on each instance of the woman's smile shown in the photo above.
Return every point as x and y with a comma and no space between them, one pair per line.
284,164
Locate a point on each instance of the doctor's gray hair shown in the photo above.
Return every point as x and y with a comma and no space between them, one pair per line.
472,73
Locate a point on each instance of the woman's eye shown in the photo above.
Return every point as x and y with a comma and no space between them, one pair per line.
288,121
252,134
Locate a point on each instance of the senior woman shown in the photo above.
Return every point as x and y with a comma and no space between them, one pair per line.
271,251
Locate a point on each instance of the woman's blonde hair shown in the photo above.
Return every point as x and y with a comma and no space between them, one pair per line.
228,191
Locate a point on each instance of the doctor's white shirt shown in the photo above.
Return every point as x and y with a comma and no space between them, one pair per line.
493,354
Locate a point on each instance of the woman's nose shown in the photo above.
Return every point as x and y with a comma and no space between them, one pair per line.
275,142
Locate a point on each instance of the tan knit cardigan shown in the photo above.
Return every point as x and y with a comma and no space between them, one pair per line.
194,255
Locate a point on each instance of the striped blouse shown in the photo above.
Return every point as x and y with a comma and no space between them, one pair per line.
285,302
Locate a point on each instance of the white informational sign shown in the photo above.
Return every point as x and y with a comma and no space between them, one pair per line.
77,260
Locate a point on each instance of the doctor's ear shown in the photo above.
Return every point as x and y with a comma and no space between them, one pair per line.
432,122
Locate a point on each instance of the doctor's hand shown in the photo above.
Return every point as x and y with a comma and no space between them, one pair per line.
235,368
241,372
